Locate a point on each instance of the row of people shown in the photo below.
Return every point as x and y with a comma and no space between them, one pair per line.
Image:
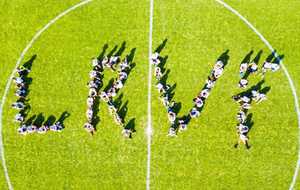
210,83
245,70
21,93
248,68
107,96
30,129
94,85
245,104
200,99
270,66
164,90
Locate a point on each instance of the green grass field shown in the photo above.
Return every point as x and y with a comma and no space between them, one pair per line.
197,33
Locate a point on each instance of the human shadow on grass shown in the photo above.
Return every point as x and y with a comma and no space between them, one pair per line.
50,120
113,52
224,57
247,58
249,122
96,109
117,52
30,120
170,89
40,120
63,117
109,84
256,87
121,49
131,125
122,109
24,75
272,58
101,55
161,46
257,57
130,58
120,106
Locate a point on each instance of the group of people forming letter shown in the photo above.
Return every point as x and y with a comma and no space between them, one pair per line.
199,101
122,67
22,83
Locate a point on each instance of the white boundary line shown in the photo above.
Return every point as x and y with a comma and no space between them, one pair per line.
8,84
149,123
292,86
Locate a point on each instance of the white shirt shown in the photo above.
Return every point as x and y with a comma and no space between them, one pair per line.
95,62
155,55
204,93
267,65
243,82
219,64
119,84
254,66
159,86
90,101
199,102
243,67
218,72
19,80
275,67
243,128
245,99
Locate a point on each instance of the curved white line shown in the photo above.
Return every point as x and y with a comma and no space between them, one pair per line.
7,87
149,123
291,83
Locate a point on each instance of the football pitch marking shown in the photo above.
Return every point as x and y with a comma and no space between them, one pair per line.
149,122
292,86
8,84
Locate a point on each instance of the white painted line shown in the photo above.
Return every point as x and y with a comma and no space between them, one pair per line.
291,83
8,84
149,123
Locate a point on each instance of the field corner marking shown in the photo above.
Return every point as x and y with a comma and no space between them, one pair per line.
149,130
